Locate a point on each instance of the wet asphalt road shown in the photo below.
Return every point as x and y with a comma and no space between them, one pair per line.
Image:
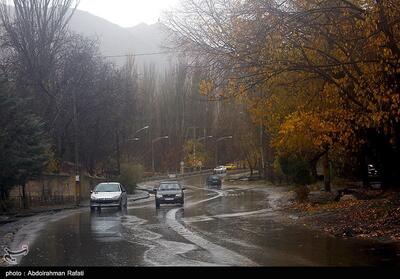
234,226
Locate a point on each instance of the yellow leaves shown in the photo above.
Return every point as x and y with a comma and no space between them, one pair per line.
307,133
321,84
206,87
302,133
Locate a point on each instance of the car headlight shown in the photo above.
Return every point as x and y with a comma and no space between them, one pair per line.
93,197
159,195
179,195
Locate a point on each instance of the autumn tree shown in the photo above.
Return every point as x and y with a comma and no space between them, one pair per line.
336,61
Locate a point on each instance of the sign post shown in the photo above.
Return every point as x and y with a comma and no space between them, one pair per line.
77,189
182,168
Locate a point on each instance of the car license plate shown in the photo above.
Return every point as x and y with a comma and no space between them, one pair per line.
169,199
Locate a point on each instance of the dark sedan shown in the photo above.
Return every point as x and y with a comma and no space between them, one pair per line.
169,192
214,181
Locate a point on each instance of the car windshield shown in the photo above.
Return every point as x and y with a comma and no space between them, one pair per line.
214,177
107,187
169,187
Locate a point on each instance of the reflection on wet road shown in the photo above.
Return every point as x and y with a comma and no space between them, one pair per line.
232,226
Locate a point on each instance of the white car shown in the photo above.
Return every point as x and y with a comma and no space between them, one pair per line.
110,194
220,170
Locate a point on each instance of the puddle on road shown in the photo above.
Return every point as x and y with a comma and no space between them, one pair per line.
235,222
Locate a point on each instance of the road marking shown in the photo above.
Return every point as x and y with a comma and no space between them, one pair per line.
204,218
220,254
160,252
219,194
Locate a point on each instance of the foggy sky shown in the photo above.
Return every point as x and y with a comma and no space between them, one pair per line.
127,13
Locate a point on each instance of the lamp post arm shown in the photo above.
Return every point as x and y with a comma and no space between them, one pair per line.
144,128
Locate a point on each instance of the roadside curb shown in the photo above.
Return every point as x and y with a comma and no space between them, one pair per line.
142,197
18,216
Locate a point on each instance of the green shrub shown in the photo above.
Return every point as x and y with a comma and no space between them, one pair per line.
6,205
302,176
297,169
130,176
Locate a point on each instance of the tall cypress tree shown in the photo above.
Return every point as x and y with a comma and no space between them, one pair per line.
23,143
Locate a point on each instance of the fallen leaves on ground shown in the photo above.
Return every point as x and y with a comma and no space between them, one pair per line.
376,217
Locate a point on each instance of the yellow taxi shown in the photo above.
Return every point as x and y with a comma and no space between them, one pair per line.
230,166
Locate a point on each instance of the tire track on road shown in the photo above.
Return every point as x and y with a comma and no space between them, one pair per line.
220,254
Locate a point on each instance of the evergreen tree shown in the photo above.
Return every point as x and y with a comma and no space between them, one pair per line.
23,143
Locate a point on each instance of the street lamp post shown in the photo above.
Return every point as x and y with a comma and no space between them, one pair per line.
152,150
203,138
216,147
194,146
130,153
136,138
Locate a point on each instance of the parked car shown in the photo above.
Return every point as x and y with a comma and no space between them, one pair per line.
172,175
169,192
109,194
220,170
231,167
372,171
214,180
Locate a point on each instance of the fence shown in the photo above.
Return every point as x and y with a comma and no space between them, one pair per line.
52,189
35,201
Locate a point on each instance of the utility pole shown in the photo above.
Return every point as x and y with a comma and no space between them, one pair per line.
138,131
152,151
194,140
216,147
118,152
263,151
76,151
201,139
194,146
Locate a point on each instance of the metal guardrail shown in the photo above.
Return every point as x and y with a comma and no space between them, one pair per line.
141,185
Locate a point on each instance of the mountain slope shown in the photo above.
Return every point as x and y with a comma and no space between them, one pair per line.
115,40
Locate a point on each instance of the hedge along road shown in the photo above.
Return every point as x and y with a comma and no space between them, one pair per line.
233,226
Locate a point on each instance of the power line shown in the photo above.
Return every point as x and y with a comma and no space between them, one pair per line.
138,54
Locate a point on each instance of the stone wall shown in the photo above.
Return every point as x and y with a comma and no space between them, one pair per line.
53,189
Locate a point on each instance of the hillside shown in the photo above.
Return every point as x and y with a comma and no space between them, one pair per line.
116,40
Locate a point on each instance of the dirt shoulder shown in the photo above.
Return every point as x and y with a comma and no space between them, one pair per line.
372,215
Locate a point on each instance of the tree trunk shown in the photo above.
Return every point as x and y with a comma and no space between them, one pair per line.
3,205
250,167
24,200
313,166
327,174
364,169
3,193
